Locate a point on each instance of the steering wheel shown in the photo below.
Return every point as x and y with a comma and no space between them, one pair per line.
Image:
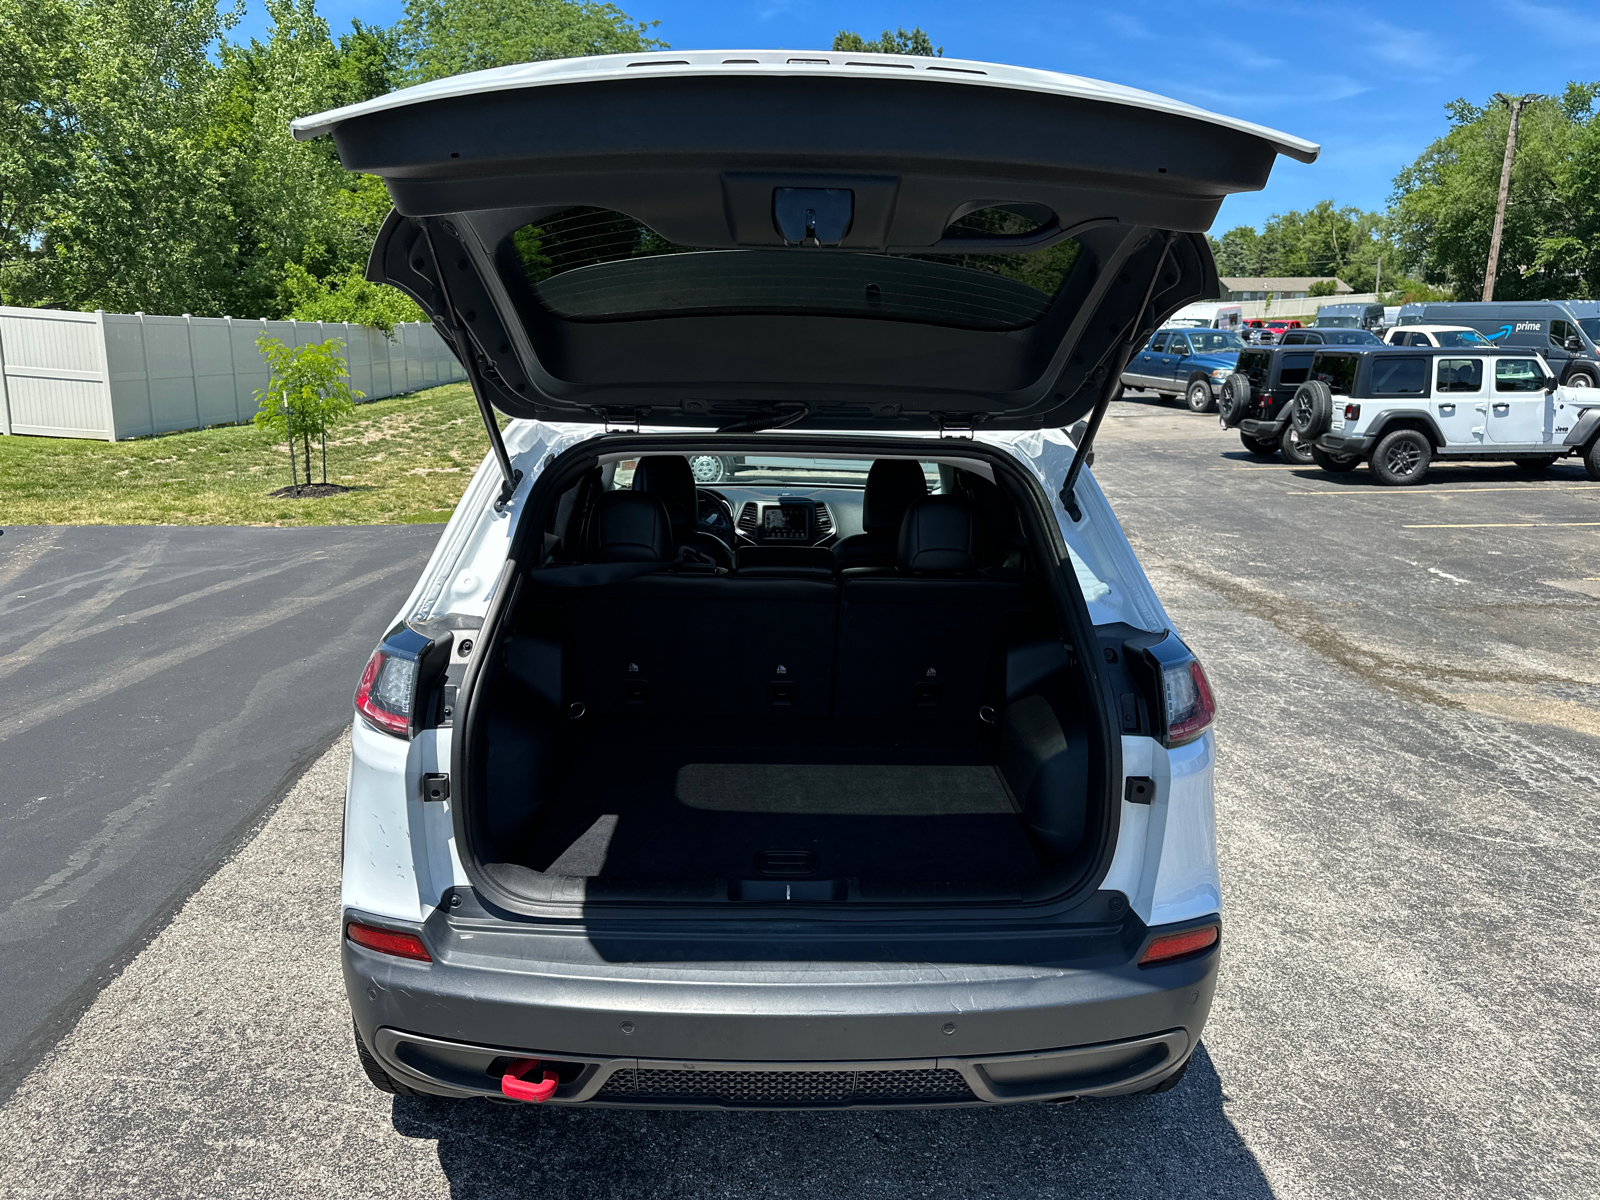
715,516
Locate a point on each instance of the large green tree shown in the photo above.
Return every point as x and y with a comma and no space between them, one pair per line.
1443,204
447,37
901,41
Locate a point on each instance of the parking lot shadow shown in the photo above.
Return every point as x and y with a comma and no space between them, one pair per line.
1174,1145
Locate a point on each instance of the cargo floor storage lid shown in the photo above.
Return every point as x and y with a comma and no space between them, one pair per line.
835,240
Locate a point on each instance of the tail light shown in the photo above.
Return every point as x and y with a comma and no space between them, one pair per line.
1183,696
1179,945
388,941
1352,412
399,679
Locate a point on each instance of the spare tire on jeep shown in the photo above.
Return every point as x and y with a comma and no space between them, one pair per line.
1234,399
1311,410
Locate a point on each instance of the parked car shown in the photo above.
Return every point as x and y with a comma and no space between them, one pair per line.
1255,400
1563,332
1349,316
1437,336
1400,411
1207,316
1330,337
920,815
1193,362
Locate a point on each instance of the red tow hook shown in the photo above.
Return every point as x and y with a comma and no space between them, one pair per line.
514,1084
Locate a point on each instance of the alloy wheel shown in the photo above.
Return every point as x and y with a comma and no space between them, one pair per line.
1402,458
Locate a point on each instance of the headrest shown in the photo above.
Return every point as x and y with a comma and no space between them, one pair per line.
938,537
628,527
892,485
668,477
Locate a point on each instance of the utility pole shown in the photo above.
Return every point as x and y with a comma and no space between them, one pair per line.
1377,288
1515,104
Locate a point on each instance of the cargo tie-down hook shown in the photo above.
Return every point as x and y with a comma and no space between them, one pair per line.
514,1082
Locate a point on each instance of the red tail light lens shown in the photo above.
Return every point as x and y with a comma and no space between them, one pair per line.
1352,412
385,695
1190,706
1177,945
387,941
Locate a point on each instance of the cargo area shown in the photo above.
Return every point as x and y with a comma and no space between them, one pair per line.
787,728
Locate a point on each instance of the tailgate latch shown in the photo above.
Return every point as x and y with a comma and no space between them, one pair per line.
813,216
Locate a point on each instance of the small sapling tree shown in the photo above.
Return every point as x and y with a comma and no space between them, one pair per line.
306,392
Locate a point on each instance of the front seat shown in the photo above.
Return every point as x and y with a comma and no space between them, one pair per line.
893,485
668,478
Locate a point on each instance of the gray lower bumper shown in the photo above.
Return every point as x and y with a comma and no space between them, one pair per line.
1010,1032
1338,443
1263,430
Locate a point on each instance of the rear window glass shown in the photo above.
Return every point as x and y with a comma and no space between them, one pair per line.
593,264
1460,374
1459,337
1295,369
1397,376
1254,365
1338,371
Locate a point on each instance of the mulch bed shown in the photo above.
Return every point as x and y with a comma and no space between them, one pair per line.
308,491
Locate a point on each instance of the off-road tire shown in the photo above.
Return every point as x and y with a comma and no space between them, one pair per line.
1401,458
1198,396
1337,463
709,469
1591,460
1311,410
1170,1082
1233,399
1536,462
1260,447
379,1078
1294,448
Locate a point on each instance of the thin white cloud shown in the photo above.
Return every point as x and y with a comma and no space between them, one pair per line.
1564,26
1129,27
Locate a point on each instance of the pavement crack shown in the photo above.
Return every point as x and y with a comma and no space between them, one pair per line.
1418,680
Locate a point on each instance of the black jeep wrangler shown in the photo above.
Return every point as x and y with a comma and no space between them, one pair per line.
1255,400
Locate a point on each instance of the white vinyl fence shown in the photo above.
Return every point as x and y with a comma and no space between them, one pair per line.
110,375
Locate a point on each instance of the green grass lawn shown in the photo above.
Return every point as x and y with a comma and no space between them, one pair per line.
406,460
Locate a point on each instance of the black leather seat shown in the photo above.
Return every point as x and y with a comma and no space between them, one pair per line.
668,477
923,642
893,484
628,527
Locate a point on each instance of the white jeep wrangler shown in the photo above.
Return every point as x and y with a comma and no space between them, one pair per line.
1398,411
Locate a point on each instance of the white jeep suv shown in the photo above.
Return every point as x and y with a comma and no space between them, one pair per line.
1400,410
871,773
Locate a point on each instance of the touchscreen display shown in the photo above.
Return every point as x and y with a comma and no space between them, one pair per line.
786,521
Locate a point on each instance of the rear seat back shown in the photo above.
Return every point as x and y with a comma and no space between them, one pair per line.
922,643
688,645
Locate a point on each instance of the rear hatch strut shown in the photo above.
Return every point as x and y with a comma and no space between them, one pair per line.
1108,386
470,363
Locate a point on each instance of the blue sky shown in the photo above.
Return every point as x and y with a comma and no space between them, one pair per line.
1368,81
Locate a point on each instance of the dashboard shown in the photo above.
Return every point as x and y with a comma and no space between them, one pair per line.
776,516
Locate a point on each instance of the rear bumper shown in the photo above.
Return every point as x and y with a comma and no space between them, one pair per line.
1338,443
783,1034
1264,430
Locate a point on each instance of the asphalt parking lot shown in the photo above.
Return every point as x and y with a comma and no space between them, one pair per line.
1410,708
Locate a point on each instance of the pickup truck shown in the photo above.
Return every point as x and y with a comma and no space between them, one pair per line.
1193,362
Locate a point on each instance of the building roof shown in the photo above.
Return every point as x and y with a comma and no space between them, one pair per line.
1281,283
